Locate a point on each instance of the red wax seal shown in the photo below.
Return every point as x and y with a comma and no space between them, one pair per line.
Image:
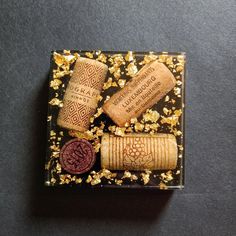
77,156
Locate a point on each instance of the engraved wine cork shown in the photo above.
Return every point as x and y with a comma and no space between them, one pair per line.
151,83
81,95
139,152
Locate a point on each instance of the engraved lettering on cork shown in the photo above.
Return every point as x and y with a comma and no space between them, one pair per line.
151,83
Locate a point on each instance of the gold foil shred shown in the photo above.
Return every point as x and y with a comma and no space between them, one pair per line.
126,124
178,112
127,175
99,132
151,115
154,126
117,73
169,60
53,180
55,102
58,168
121,83
118,59
97,147
147,127
107,98
98,52
73,178
66,52
181,58
99,112
163,186
148,58
47,165
55,84
166,177
109,84
172,120
69,59
129,56
49,118
55,148
89,179
58,58
120,131
179,68
102,125
179,82
131,69
166,111
99,98
162,58
52,133
138,127
78,180
134,177
64,61
118,181
167,98
89,55
55,154
177,132
133,120
112,128
129,130
107,174
102,57
91,119
177,91
145,177
95,181
151,132
177,172
76,55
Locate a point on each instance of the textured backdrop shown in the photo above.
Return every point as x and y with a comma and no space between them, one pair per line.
205,30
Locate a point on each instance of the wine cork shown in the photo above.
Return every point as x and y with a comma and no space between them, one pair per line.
139,152
81,95
151,83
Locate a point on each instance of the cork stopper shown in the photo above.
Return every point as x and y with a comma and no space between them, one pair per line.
139,152
81,95
151,83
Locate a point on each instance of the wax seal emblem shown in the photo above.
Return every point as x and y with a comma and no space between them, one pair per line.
77,156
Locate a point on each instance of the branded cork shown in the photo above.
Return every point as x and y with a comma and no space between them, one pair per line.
139,152
151,83
81,95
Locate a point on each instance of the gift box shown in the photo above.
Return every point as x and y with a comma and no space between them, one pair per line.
116,119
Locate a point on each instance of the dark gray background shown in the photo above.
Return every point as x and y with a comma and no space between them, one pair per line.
205,29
